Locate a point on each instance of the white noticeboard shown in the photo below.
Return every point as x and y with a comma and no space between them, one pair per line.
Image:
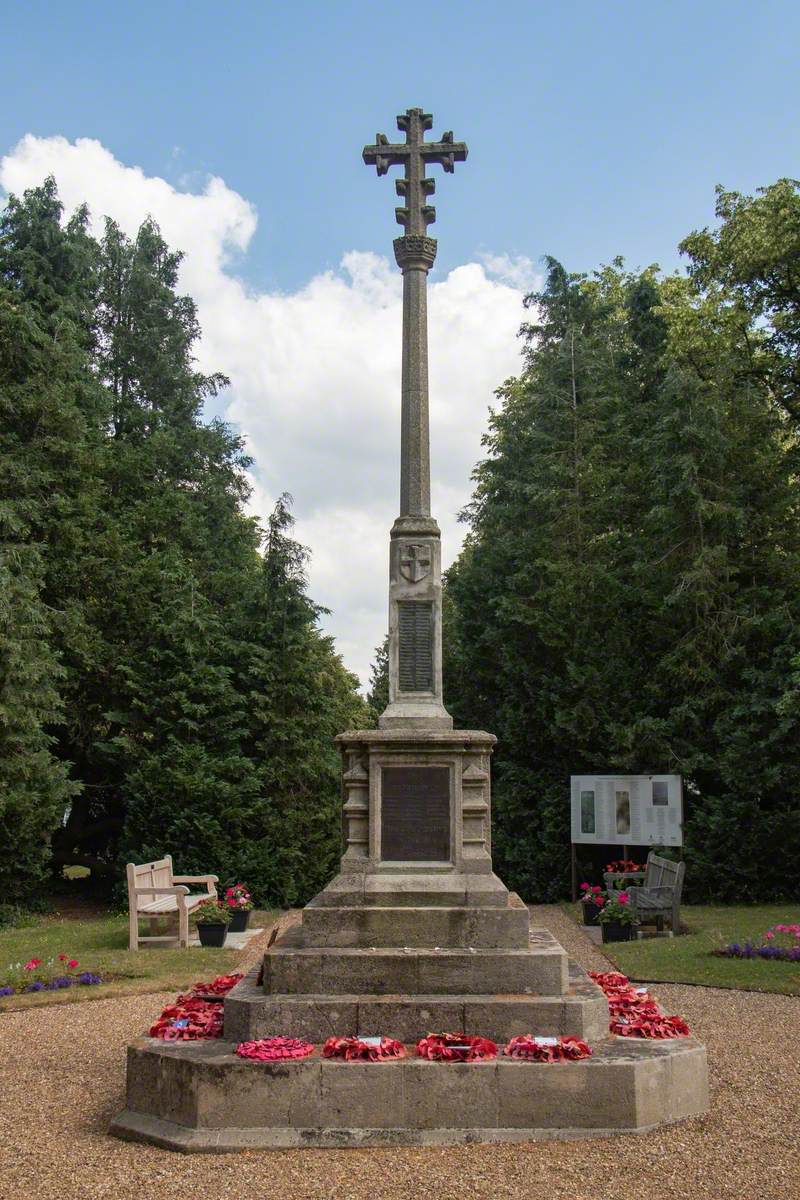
627,810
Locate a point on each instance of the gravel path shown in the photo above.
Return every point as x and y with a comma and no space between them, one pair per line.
62,1079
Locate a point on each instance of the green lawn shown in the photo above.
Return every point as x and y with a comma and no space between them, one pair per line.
100,943
687,959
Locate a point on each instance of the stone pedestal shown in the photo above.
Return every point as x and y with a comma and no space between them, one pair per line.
414,935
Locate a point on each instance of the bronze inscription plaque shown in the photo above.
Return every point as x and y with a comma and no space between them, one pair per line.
415,814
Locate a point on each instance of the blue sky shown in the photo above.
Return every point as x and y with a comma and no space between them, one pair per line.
594,129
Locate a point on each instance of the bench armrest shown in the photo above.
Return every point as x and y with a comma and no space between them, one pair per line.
195,878
161,891
650,891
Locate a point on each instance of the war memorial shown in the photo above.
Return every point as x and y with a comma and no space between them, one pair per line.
416,934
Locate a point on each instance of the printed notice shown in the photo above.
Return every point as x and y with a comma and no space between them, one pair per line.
627,810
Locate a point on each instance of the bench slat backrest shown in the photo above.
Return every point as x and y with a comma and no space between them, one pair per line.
153,874
662,872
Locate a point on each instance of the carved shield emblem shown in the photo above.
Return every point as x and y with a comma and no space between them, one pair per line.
415,561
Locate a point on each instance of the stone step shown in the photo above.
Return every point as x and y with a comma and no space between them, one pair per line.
418,927
581,1012
336,971
199,1096
412,889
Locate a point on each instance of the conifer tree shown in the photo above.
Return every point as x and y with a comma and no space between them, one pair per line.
626,599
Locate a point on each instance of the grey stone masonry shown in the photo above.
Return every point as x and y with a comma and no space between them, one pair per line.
463,757
415,580
581,1011
199,1097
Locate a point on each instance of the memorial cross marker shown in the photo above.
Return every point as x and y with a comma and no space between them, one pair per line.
415,589
416,928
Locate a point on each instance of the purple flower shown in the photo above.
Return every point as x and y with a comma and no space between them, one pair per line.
6,991
86,978
35,987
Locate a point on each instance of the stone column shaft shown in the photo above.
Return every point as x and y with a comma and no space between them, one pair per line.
415,466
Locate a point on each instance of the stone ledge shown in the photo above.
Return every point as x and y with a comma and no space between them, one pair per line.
418,737
491,927
226,1103
297,969
422,888
409,1018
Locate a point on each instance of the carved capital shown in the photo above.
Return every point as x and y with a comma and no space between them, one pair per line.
415,250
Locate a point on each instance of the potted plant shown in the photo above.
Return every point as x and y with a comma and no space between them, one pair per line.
239,904
617,918
592,900
212,919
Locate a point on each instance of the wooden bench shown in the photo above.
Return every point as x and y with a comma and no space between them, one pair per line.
660,894
167,894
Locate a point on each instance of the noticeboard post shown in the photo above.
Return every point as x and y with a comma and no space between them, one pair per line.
625,810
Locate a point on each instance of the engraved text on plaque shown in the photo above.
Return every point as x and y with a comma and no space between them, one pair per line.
415,814
415,651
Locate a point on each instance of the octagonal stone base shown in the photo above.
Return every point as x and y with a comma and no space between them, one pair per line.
199,1096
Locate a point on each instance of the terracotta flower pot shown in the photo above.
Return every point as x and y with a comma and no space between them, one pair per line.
240,920
212,934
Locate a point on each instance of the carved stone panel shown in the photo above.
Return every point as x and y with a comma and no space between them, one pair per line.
415,561
415,814
415,645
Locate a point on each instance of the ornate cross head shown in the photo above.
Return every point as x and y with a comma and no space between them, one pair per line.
416,214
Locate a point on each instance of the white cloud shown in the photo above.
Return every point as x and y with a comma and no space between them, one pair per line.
517,270
316,373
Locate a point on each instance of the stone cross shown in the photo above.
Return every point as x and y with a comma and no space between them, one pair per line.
415,574
415,253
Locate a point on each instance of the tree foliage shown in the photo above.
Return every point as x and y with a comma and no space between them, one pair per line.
165,685
627,598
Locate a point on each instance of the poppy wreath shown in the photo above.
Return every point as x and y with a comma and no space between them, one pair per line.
217,987
567,1049
192,1021
270,1049
634,1014
455,1047
622,1004
609,980
650,1027
353,1049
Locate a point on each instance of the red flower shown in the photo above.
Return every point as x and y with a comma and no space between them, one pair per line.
62,958
33,964
73,962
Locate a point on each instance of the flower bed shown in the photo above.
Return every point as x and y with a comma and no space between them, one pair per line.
36,975
781,943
